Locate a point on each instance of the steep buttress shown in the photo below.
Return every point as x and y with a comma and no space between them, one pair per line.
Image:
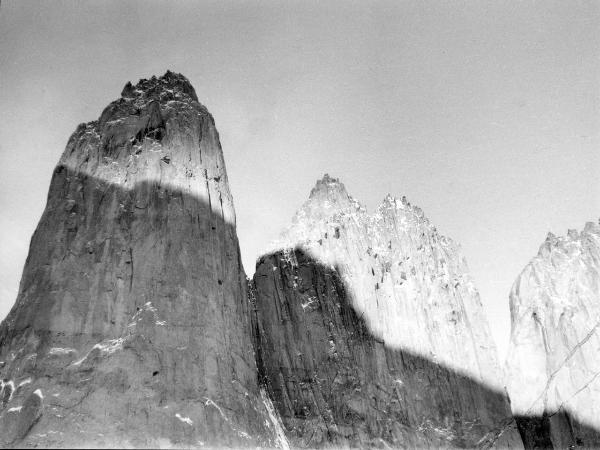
132,325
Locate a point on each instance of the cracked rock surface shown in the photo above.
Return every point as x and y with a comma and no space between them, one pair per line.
132,324
370,332
553,367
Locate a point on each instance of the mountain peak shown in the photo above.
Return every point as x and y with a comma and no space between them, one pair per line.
328,197
170,81
339,283
329,188
141,194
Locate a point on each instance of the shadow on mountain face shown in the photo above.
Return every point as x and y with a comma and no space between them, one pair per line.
558,430
333,382
147,243
102,253
132,320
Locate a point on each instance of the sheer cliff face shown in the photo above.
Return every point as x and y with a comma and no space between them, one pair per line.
553,366
132,324
370,331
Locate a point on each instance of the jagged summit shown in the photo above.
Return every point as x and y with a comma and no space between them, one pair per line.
170,81
569,243
328,196
329,203
156,132
328,187
143,111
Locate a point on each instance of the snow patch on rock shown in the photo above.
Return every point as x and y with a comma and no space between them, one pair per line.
184,419
61,351
275,421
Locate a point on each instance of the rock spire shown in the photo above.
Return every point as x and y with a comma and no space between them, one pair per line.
132,325
553,366
371,332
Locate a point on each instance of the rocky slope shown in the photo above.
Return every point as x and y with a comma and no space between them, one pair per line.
370,331
553,366
132,325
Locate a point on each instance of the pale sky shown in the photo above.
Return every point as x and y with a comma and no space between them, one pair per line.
485,114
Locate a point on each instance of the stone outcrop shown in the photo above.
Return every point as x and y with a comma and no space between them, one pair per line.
553,367
132,324
370,332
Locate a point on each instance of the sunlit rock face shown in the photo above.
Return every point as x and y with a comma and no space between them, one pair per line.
132,324
553,365
370,331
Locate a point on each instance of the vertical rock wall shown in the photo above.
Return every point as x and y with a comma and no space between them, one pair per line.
132,323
